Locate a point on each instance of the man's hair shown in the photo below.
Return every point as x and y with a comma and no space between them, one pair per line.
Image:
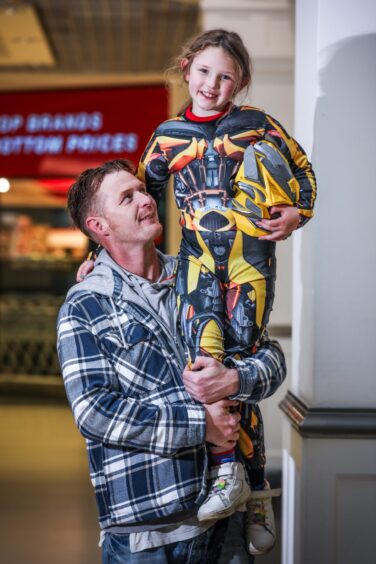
82,194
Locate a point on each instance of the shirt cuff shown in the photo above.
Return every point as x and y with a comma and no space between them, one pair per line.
246,378
197,424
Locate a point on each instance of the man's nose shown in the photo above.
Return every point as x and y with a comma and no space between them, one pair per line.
144,198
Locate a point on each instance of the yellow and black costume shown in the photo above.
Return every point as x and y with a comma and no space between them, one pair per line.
229,170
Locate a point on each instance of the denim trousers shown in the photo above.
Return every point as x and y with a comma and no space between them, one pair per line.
223,544
115,550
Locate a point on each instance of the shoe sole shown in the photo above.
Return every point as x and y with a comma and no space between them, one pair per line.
260,552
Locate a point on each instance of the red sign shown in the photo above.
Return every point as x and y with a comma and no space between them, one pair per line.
61,133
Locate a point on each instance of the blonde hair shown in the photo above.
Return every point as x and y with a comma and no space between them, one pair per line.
230,42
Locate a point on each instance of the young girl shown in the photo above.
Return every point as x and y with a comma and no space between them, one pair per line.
234,168
241,183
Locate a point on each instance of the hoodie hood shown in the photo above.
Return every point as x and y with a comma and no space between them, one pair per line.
101,280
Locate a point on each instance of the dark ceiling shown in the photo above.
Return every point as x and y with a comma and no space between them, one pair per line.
99,36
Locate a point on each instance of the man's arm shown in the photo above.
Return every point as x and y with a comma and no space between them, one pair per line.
101,408
250,379
104,413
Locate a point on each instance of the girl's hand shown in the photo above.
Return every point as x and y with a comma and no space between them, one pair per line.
283,225
84,269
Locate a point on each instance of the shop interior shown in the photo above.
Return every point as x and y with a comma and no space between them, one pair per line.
48,513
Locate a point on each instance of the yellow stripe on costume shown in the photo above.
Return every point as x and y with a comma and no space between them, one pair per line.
212,341
193,275
245,444
241,272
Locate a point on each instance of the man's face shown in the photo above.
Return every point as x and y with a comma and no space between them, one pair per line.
129,211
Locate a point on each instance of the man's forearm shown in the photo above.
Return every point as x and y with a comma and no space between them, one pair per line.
250,379
261,374
106,412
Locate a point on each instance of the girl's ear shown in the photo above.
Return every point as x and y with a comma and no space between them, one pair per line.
243,84
184,63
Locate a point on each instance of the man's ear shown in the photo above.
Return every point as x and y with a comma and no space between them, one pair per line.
97,225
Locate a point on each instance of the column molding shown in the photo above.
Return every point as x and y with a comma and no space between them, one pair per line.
328,422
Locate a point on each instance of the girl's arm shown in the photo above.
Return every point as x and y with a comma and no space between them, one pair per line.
153,167
299,164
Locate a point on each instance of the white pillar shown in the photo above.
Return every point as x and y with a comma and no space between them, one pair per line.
329,434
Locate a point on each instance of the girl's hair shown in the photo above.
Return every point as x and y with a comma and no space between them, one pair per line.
230,42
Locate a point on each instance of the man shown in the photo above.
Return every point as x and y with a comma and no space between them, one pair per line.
122,362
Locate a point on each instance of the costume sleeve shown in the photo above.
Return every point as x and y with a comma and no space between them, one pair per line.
299,164
103,412
261,374
153,167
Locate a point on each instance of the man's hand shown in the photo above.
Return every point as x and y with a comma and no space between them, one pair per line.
209,380
84,269
222,427
283,225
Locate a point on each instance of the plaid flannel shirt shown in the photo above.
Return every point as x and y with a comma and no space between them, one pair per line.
144,434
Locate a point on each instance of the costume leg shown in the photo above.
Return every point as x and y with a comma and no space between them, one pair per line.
250,298
252,443
249,293
201,310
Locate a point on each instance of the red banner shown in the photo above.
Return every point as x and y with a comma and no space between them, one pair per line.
60,133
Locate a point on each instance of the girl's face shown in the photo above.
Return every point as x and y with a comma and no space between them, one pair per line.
212,79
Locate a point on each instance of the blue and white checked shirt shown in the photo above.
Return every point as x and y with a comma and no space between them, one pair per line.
122,371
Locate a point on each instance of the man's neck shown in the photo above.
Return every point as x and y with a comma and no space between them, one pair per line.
142,261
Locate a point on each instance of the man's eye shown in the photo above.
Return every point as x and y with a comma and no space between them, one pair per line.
126,199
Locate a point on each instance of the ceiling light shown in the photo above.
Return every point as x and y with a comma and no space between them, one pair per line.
4,185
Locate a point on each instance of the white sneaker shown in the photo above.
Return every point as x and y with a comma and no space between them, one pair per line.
260,524
228,492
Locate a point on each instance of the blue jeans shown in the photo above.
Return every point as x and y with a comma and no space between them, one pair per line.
223,544
115,550
234,549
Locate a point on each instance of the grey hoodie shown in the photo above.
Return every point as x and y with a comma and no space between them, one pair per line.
157,297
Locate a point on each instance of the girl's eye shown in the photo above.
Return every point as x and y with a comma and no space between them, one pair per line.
204,71
226,77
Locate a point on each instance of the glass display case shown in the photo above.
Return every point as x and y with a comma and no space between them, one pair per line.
39,255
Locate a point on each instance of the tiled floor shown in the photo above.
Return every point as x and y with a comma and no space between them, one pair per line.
47,508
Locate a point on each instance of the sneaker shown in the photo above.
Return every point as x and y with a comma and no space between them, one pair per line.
228,492
260,524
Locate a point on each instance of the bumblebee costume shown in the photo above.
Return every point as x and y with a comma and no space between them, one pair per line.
229,170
